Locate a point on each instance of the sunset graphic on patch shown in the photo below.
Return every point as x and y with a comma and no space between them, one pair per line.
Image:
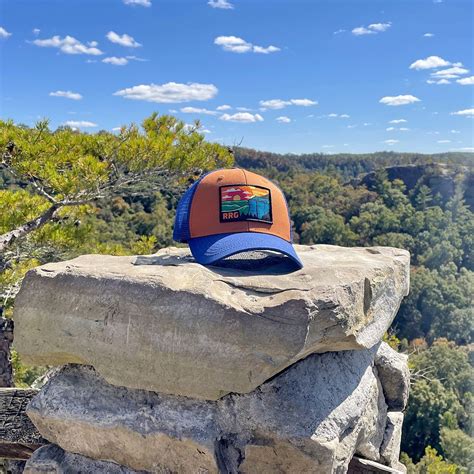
245,203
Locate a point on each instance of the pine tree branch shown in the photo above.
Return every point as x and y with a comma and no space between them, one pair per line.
8,238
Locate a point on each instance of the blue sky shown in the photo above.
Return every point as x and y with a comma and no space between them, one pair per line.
283,75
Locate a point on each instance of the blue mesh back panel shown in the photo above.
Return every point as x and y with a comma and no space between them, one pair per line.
181,231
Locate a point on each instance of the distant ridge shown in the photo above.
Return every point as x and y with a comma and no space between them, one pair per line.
349,165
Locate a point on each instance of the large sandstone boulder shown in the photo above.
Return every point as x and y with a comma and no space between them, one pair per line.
164,323
313,417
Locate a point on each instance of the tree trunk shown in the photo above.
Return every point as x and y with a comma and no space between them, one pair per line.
8,238
6,338
18,436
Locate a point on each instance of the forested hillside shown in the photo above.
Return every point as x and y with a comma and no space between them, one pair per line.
349,200
419,203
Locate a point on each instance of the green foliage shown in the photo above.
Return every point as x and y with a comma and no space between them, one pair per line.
17,207
69,165
430,406
10,279
458,448
449,363
325,227
430,463
440,400
61,172
439,305
25,375
392,340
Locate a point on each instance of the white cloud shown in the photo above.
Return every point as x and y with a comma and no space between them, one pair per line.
351,126
69,45
123,40
4,33
466,81
455,131
468,148
431,62
171,92
141,3
195,110
333,115
372,29
398,121
223,4
391,142
444,141
66,95
36,31
428,35
244,109
362,30
267,50
389,129
135,58
399,100
115,61
439,82
283,119
450,73
223,107
327,146
338,32
79,124
465,112
234,44
276,104
243,117
303,102
404,129
380,26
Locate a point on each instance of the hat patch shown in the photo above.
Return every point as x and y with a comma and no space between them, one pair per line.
242,202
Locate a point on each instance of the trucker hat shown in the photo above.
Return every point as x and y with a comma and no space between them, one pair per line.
230,211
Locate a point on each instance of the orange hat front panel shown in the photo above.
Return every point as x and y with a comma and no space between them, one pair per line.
205,210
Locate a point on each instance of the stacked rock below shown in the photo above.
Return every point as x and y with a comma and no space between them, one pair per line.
173,367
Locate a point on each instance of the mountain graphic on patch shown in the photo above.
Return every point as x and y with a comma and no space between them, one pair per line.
241,202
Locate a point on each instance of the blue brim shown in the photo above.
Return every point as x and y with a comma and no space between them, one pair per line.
211,249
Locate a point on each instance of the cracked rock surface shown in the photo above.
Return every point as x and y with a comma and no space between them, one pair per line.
313,417
393,372
51,459
165,323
